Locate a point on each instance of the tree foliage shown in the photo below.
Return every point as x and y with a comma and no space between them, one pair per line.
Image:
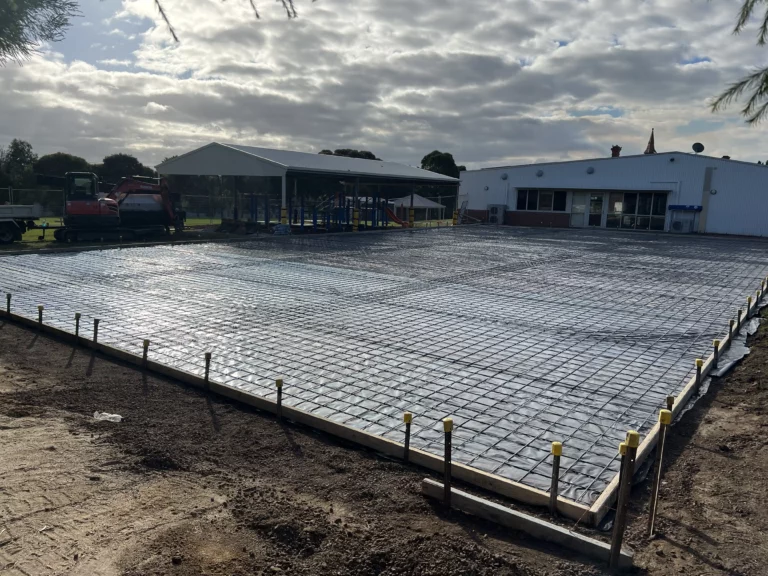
440,162
117,166
350,153
25,24
16,163
60,163
754,86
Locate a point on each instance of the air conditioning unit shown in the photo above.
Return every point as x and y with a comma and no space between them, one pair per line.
683,222
496,213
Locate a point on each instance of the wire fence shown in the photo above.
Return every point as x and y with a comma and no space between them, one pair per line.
250,207
49,202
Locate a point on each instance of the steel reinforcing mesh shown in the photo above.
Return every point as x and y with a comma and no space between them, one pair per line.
523,336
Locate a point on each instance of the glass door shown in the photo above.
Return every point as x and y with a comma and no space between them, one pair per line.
578,209
596,209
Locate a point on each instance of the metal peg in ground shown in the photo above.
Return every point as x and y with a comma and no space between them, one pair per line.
407,418
731,324
40,309
758,295
665,419
146,350
557,451
8,304
749,307
738,319
207,367
95,330
625,486
715,353
279,386
670,402
448,429
77,326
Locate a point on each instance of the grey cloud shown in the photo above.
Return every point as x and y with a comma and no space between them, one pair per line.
398,77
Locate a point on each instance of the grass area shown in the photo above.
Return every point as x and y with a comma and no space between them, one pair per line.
200,222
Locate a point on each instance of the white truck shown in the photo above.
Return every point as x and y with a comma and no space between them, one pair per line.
15,220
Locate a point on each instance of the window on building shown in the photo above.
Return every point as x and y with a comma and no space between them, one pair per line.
542,200
545,200
522,199
559,201
637,210
533,199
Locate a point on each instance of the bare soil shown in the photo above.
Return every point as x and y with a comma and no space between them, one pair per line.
194,484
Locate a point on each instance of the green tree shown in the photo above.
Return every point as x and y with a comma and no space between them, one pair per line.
25,24
440,162
754,86
60,163
17,161
117,166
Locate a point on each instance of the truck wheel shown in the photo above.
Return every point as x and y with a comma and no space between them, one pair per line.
70,236
7,234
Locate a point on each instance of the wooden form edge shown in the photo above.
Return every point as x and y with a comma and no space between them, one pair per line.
535,527
603,504
475,477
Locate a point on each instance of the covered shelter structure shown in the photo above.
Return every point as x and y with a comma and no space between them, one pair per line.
318,183
418,202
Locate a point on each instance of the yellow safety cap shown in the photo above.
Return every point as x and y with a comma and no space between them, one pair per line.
716,343
623,449
146,343
665,417
407,417
699,362
731,322
749,299
633,439
207,355
40,307
279,382
448,424
557,448
77,315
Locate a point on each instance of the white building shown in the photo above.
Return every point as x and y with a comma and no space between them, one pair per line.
671,191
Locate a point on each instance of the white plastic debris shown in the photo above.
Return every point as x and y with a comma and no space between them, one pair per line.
108,417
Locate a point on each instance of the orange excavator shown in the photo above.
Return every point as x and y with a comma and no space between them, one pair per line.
135,207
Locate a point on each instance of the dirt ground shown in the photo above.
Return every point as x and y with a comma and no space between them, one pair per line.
190,484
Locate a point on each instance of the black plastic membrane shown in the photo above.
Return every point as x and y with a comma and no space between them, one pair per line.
523,336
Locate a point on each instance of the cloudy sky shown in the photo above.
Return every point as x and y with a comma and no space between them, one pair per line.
492,81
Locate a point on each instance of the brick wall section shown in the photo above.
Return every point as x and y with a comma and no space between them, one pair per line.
543,219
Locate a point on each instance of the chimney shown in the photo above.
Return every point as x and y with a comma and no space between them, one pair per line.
615,151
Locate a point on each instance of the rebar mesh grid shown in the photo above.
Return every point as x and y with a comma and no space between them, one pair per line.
523,336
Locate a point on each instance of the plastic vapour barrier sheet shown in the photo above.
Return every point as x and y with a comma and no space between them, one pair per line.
523,336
